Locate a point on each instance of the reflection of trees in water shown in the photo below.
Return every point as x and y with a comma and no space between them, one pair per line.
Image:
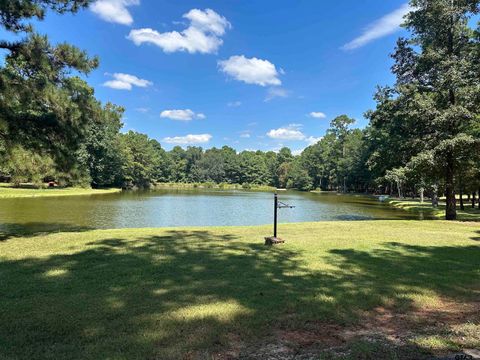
201,208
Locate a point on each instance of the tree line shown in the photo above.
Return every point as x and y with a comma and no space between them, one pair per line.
107,157
422,137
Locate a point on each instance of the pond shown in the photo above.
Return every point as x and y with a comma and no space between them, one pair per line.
161,208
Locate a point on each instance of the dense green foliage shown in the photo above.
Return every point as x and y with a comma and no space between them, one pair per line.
107,157
425,127
43,107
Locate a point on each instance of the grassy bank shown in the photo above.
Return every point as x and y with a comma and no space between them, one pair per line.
211,185
369,289
426,207
8,191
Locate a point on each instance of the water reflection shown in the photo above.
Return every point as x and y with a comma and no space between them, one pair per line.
186,208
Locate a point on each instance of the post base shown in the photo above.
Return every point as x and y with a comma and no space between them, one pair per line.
273,240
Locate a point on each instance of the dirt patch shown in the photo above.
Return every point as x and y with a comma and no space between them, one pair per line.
384,332
302,338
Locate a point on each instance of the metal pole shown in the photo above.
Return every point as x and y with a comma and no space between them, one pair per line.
275,207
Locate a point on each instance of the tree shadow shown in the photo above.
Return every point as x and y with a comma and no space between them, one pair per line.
476,238
24,230
188,292
445,270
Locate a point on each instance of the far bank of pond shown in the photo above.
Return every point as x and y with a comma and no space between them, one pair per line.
193,207
9,191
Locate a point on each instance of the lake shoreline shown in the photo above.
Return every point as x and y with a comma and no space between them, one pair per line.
7,191
206,186
187,207
415,206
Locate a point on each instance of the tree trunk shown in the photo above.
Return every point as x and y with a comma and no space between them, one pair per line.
462,205
473,200
422,190
479,198
435,196
399,190
451,208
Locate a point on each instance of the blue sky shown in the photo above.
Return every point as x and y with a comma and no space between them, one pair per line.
248,74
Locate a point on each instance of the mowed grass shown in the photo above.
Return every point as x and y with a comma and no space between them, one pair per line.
8,191
218,292
468,214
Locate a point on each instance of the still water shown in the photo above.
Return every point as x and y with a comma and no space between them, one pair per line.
185,208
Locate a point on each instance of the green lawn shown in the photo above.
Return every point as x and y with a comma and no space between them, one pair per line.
8,191
360,290
468,214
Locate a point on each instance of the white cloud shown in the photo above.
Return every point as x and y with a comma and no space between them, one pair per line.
275,92
384,26
290,132
182,115
297,152
114,10
311,140
251,71
203,34
126,82
245,134
143,109
188,139
317,115
118,85
234,103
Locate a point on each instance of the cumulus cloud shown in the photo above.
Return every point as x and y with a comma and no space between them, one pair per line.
125,82
384,26
188,139
202,35
250,70
275,92
317,115
290,132
182,115
114,11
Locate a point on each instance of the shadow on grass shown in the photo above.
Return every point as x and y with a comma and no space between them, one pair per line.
31,229
476,238
188,293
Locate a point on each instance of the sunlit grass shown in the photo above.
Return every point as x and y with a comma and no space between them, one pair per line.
196,292
468,214
8,191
